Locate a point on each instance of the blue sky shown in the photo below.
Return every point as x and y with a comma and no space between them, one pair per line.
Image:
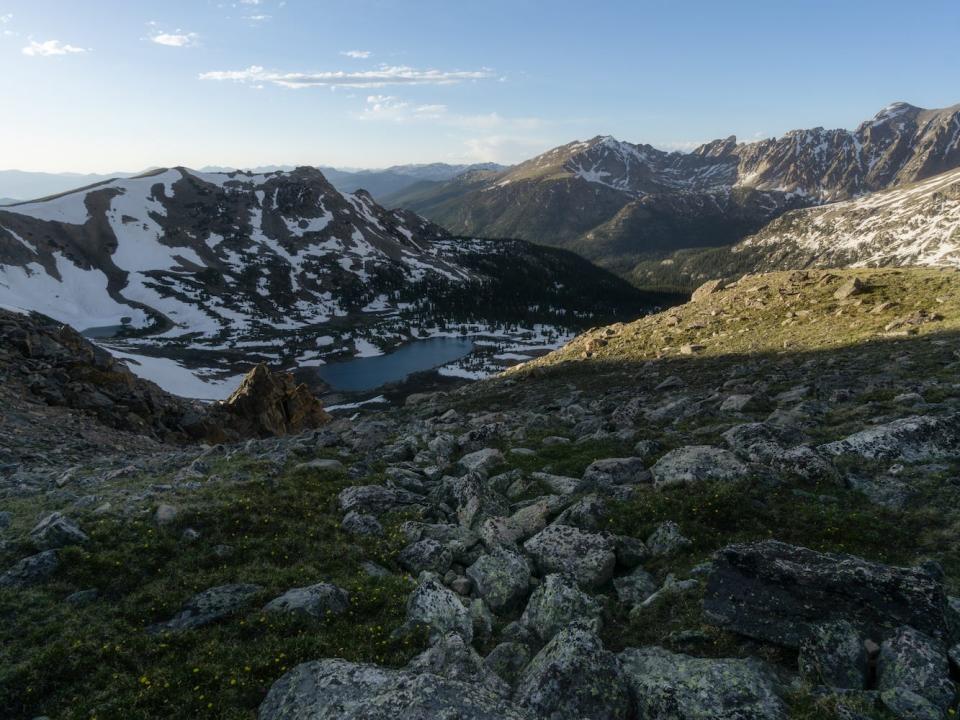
102,85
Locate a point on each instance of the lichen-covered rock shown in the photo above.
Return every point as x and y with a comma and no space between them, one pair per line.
589,513
361,524
209,606
56,531
667,540
557,603
912,439
912,661
834,655
507,660
501,578
634,588
588,557
615,471
375,499
574,677
440,610
482,461
697,463
31,570
777,592
316,601
451,658
525,522
339,690
425,554
669,685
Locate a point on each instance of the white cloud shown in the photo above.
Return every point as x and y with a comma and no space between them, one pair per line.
383,76
388,107
175,39
4,19
51,47
357,54
257,18
506,149
250,2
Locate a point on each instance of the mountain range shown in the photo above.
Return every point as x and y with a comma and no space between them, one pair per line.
619,203
279,267
20,185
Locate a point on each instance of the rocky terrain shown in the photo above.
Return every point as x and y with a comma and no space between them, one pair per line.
196,276
620,203
743,508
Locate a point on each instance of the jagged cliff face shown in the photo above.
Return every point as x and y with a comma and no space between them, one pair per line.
616,202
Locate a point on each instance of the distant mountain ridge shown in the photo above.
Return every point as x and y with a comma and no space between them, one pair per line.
915,224
618,202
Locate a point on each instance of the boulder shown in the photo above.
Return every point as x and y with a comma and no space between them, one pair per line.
574,677
916,663
501,578
557,603
526,521
589,513
559,484
481,460
667,540
361,524
322,465
56,531
434,606
268,404
31,570
834,654
634,588
453,659
669,685
615,471
588,557
425,554
697,463
507,660
851,287
777,592
209,606
317,601
335,689
912,439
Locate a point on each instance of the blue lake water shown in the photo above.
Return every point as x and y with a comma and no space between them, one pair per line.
370,373
104,331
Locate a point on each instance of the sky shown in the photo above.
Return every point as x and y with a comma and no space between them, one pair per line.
115,85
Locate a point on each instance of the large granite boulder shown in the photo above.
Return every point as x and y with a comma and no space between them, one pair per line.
777,592
501,578
697,463
913,672
574,677
912,439
556,604
668,685
835,655
30,570
316,601
56,531
588,557
268,404
440,610
335,689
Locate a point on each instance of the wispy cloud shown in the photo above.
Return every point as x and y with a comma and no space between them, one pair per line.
381,77
256,18
4,22
388,107
176,39
357,54
51,47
